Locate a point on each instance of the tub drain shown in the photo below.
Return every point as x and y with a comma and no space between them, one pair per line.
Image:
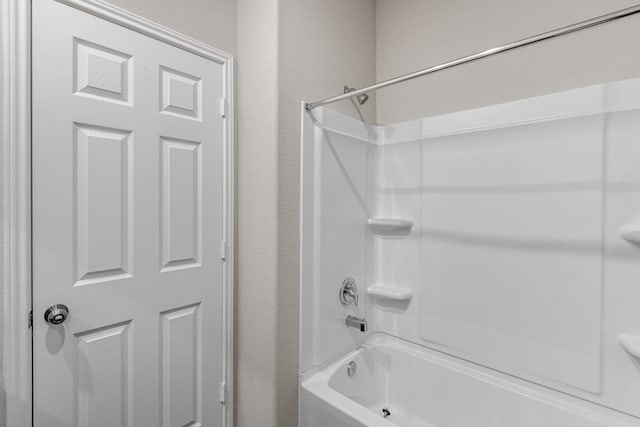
386,413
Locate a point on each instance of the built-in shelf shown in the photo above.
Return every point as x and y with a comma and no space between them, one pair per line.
631,233
390,226
631,344
389,292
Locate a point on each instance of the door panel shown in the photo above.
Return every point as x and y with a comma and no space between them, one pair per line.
181,203
180,370
127,225
104,209
104,395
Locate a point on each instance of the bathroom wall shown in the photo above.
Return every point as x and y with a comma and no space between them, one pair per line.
256,213
210,21
337,159
319,46
330,43
413,34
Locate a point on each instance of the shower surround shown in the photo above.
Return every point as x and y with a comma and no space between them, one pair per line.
499,242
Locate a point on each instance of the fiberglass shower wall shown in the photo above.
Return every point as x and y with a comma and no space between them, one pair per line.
336,159
491,235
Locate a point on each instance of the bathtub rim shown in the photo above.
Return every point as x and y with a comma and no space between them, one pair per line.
316,381
318,385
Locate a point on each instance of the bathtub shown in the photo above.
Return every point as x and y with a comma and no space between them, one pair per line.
415,387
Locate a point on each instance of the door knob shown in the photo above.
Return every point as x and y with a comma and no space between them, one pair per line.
56,314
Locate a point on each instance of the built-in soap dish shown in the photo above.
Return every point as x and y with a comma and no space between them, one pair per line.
631,233
388,292
630,343
390,226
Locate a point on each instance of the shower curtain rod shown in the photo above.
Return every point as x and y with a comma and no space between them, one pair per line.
614,16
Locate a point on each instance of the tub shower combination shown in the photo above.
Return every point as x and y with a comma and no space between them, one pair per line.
475,269
387,382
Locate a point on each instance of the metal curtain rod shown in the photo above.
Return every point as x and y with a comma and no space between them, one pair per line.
614,16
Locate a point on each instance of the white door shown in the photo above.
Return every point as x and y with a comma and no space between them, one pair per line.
127,226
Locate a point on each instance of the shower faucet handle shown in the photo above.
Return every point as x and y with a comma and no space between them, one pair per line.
349,292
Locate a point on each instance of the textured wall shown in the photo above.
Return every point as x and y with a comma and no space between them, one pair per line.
317,46
413,34
210,21
257,341
324,44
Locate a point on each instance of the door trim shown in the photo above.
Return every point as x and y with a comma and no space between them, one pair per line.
15,113
16,208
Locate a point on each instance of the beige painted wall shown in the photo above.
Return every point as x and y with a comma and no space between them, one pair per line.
210,21
324,44
257,197
288,50
413,34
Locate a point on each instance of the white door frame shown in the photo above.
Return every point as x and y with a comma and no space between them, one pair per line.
15,113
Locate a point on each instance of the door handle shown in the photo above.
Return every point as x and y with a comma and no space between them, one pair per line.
56,314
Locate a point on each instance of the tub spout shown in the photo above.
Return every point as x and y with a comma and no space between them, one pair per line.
356,322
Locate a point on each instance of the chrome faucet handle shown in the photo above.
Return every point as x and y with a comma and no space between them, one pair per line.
355,297
352,296
348,292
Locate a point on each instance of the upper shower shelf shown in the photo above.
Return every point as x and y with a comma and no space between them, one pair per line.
631,344
631,233
388,292
390,226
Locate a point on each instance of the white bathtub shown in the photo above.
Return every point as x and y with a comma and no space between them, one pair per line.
421,388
